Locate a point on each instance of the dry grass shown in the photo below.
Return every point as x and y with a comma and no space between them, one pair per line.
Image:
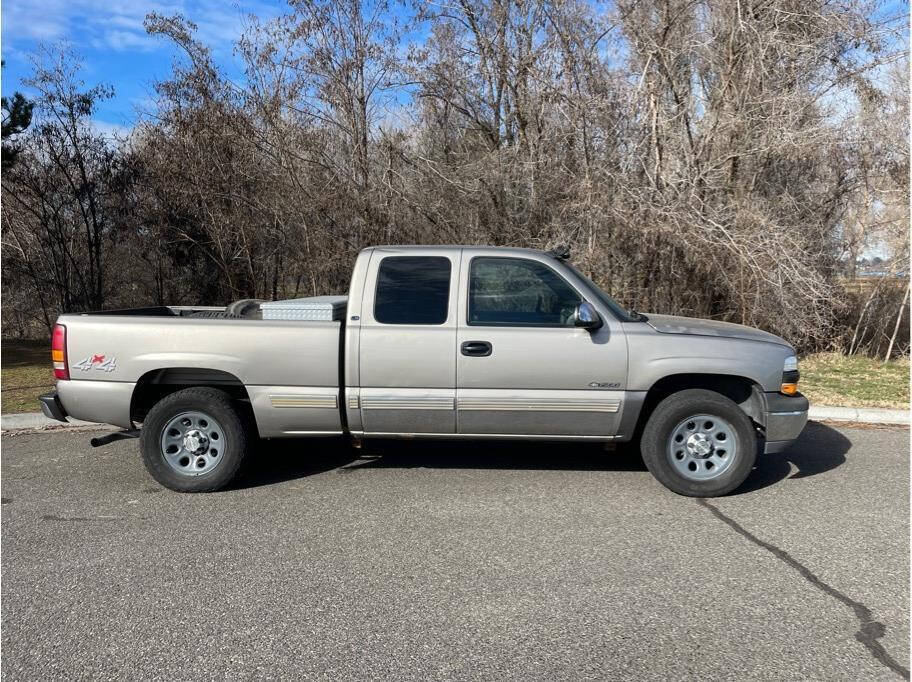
26,372
855,381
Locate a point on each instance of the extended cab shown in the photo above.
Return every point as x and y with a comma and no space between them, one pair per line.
434,342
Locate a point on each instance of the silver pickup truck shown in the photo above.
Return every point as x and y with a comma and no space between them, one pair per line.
432,342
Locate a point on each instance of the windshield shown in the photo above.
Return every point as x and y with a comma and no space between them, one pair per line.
612,305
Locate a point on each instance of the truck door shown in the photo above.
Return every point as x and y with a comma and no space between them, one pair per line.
522,366
408,342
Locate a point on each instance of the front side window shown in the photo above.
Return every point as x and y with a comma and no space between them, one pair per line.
519,292
412,290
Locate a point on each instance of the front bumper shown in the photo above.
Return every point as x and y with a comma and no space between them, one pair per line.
786,416
51,406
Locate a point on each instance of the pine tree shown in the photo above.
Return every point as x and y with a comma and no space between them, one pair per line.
17,116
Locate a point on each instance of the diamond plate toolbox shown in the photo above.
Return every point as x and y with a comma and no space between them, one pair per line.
313,309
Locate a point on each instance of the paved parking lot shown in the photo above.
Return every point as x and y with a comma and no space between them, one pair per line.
470,561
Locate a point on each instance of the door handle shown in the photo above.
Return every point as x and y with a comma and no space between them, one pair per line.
476,349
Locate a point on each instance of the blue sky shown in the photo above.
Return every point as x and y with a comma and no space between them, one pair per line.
117,51
115,48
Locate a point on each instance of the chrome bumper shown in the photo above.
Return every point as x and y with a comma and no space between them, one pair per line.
786,416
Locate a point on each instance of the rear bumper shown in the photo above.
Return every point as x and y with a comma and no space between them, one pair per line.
786,416
51,406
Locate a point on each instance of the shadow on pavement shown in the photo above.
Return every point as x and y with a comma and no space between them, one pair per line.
554,456
819,449
279,460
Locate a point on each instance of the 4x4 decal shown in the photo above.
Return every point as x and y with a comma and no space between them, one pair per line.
96,362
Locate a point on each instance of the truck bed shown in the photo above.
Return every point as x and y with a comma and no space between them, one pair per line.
291,369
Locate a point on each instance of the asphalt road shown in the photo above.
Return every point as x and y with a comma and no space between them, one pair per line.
468,561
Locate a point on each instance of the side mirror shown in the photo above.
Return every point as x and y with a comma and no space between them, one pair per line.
587,317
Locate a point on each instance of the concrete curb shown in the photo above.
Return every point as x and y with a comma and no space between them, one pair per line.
861,415
37,421
857,415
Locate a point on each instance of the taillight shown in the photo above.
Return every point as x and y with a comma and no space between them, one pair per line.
58,352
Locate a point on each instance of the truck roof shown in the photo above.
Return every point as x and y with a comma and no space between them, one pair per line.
453,247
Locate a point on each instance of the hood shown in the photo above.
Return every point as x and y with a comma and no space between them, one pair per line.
672,324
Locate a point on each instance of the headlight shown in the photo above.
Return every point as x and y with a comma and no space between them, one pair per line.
790,376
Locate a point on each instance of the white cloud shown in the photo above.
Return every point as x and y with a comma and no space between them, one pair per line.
111,130
127,41
45,21
118,24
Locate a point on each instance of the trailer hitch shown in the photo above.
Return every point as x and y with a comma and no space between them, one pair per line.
111,437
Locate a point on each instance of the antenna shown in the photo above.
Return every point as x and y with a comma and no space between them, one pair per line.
561,252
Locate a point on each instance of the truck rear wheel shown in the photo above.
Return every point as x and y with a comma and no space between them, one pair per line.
699,443
194,440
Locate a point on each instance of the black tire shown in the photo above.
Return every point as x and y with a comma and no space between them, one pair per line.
234,446
669,413
246,307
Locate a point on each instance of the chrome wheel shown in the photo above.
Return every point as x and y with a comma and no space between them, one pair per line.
702,447
193,443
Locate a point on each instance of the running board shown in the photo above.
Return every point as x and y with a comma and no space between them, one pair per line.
111,437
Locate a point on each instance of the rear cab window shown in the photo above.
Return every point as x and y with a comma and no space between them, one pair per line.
412,290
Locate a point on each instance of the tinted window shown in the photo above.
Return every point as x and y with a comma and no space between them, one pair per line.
518,292
412,290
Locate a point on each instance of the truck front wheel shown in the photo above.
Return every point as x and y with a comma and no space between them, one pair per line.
194,440
699,443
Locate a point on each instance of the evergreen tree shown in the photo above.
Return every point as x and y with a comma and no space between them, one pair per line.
17,115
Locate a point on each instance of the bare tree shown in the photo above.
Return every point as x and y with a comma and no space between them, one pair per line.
57,226
702,157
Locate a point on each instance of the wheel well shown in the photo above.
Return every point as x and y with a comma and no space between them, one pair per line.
155,385
741,390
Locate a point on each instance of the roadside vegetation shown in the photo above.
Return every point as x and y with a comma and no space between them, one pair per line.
855,381
698,157
26,374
